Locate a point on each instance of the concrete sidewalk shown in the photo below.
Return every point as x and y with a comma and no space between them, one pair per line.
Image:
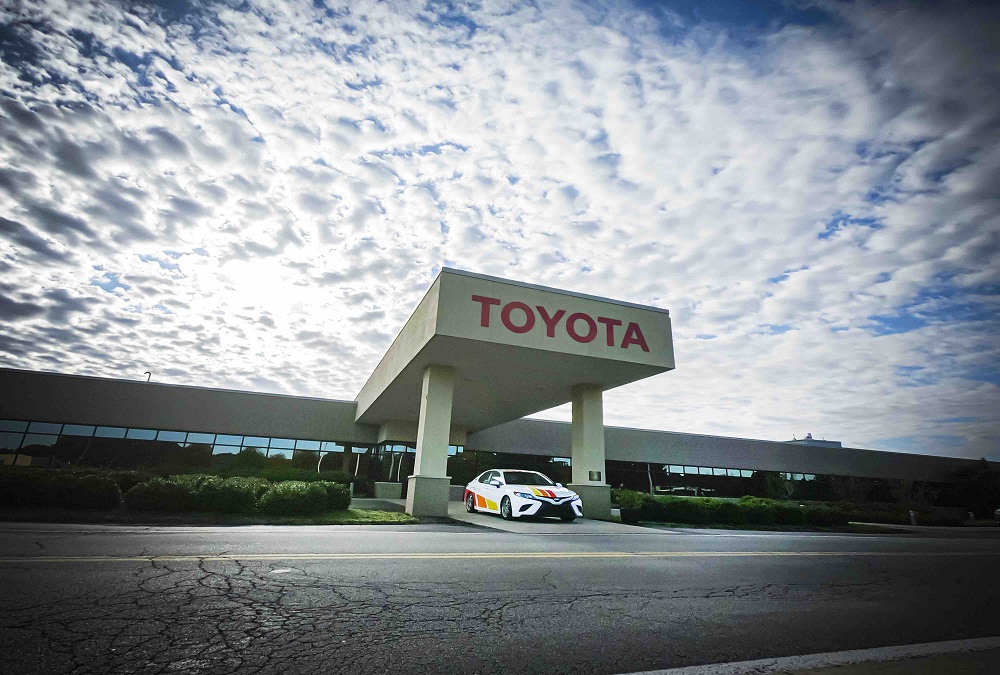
975,656
968,663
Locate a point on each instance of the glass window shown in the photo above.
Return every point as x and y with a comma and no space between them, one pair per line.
10,440
719,472
225,449
256,441
141,434
279,452
809,476
173,436
331,446
110,432
564,461
78,430
676,468
735,473
38,439
705,470
797,476
201,438
690,469
746,473
307,445
360,449
282,443
45,428
13,425
229,440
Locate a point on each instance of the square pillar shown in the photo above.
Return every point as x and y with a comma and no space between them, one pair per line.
427,489
589,473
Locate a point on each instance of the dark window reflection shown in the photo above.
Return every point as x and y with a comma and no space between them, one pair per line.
13,425
9,441
44,428
78,430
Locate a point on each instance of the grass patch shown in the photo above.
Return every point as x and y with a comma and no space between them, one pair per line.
123,517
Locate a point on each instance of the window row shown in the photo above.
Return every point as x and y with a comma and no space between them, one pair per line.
15,435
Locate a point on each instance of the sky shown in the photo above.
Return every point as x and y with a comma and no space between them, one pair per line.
255,195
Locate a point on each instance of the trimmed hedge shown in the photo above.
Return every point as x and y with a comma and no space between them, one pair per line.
42,488
85,492
338,497
231,495
294,498
159,494
708,510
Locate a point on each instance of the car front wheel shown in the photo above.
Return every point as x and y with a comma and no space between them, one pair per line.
505,509
470,503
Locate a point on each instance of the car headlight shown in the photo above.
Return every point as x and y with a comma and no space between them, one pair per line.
524,495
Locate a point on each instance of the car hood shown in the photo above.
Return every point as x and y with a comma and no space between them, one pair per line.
550,492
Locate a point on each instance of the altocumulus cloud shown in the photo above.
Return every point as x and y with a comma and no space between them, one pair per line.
255,194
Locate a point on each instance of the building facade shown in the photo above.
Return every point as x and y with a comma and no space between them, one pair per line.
446,402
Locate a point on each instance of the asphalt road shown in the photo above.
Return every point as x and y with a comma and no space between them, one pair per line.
461,599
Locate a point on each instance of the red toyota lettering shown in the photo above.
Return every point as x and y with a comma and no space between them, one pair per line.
529,317
610,325
550,321
633,336
571,327
487,303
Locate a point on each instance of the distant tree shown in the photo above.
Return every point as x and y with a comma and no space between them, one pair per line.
250,458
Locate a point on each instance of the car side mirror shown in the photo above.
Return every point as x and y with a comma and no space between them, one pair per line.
495,483
558,484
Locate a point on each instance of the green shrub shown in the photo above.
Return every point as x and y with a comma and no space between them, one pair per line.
192,481
341,477
158,494
294,498
630,499
258,486
22,488
338,497
225,496
128,479
69,491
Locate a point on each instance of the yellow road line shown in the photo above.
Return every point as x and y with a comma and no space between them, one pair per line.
484,556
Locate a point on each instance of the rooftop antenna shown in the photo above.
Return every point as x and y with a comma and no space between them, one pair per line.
148,375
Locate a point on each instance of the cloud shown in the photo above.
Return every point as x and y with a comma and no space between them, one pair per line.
257,195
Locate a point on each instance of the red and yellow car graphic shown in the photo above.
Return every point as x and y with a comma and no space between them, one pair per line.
514,493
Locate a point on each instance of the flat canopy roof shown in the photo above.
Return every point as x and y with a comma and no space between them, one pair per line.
516,348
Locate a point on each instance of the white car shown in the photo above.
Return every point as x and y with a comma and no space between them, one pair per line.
514,493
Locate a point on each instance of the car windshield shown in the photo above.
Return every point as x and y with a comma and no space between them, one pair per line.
525,478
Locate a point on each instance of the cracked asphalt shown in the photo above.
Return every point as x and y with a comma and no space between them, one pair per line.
436,598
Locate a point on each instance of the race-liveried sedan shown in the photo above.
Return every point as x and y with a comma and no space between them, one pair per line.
514,493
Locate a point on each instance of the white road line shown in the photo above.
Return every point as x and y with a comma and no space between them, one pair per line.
831,659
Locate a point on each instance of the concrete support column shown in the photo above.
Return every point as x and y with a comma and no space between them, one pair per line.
427,489
345,465
589,478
